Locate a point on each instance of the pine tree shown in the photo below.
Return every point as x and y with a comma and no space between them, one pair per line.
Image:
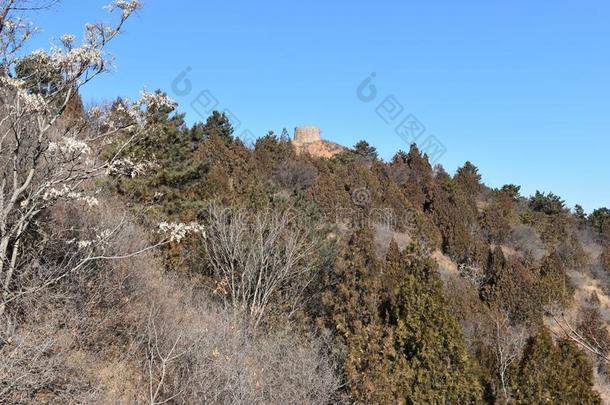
284,136
593,328
365,150
579,213
39,74
499,215
550,204
511,190
270,151
400,156
600,220
393,272
165,153
219,125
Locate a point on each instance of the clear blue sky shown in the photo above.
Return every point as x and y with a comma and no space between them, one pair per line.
521,88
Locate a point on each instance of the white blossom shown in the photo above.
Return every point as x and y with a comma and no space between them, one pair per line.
127,167
127,7
26,101
156,100
84,244
178,231
95,112
132,115
105,234
11,82
31,102
65,192
41,59
76,60
68,145
15,24
67,40
52,194
90,201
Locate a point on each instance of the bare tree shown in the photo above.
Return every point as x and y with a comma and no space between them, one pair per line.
213,358
587,341
159,362
507,342
28,365
258,257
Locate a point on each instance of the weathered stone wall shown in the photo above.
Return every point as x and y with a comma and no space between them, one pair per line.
307,134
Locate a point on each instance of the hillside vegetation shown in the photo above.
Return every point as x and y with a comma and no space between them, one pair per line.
143,260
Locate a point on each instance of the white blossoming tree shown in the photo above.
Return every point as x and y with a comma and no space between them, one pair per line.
47,159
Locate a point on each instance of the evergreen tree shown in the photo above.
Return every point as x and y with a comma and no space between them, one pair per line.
431,361
554,374
40,77
365,150
605,259
550,204
218,125
353,309
469,179
579,213
593,328
400,156
554,285
164,156
496,263
168,140
270,150
418,183
514,288
39,74
456,216
393,272
513,191
285,136
600,220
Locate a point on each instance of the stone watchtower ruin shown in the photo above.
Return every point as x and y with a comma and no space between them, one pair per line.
308,139
308,134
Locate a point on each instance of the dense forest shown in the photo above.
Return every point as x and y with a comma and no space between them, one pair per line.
144,260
